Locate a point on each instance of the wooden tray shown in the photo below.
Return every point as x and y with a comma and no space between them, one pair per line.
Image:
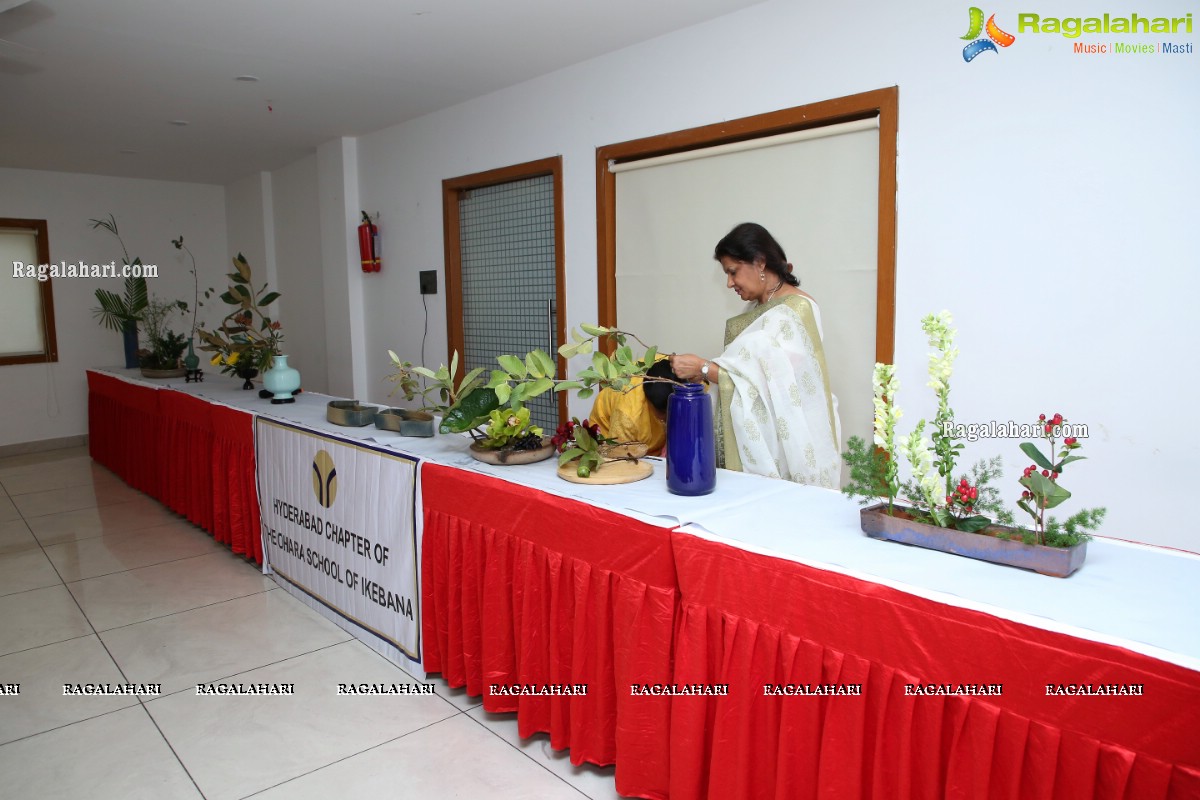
610,473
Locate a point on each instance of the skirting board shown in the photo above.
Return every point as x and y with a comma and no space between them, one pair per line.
42,445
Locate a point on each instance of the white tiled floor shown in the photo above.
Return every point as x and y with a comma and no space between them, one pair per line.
100,584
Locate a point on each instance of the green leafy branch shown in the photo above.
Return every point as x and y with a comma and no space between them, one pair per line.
116,311
246,337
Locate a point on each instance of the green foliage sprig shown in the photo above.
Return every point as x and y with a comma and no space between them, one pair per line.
448,390
868,473
1042,490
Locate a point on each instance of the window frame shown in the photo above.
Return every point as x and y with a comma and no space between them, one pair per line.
883,103
49,352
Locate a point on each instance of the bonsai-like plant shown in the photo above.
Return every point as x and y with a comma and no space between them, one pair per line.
165,346
246,338
117,312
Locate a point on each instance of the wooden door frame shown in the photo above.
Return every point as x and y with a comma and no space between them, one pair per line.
452,192
883,103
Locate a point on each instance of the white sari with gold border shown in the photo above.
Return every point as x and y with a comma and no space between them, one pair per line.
776,415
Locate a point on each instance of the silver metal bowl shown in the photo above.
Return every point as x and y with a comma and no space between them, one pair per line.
350,413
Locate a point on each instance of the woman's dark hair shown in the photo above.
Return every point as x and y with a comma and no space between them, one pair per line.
749,241
657,392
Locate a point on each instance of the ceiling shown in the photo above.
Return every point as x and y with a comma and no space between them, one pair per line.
95,87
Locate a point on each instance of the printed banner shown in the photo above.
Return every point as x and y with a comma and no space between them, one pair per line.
338,522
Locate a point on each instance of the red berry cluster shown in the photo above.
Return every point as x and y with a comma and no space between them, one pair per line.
564,435
1049,424
964,496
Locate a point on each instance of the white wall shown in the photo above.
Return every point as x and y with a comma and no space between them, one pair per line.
248,225
1043,198
39,401
299,266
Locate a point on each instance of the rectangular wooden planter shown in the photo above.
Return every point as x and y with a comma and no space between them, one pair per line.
1058,562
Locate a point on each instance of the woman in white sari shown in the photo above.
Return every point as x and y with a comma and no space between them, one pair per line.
776,415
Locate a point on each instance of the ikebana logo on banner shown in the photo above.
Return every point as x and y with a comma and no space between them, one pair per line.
338,525
324,479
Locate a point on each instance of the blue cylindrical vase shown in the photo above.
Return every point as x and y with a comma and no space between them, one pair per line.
691,445
129,334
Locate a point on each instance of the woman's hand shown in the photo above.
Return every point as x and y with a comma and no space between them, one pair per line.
688,367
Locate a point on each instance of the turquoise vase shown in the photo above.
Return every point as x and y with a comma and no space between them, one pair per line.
282,380
191,361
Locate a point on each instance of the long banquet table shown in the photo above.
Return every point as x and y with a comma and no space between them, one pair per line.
192,454
528,580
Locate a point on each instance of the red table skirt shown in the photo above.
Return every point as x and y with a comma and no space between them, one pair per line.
195,457
749,620
124,431
550,591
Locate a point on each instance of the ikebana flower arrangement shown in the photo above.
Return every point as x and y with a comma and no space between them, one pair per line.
935,495
1043,491
583,443
491,410
122,313
511,428
247,339
165,346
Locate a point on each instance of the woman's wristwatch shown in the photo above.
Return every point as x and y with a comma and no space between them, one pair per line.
704,372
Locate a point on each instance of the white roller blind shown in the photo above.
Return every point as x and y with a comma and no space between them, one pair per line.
817,196
21,329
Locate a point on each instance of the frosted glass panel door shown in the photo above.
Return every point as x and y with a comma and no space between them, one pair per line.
506,239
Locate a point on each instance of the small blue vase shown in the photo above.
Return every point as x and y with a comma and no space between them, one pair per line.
129,332
691,445
282,380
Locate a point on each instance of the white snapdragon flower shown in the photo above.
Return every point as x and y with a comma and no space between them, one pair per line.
916,449
885,385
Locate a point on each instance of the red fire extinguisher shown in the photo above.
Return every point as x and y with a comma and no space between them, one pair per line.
368,245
